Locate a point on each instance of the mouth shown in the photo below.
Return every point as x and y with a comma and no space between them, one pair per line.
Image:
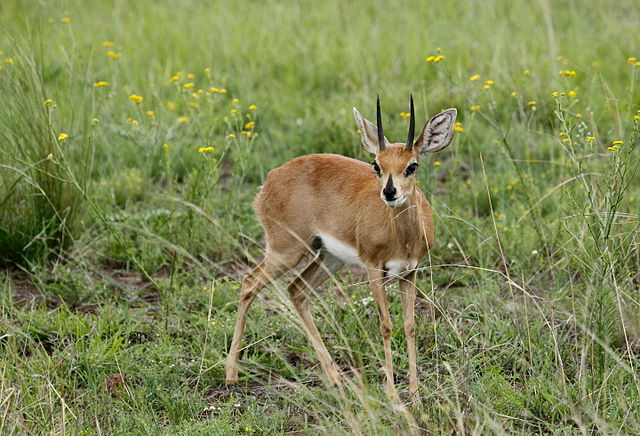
396,202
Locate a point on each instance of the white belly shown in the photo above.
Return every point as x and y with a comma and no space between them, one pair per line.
399,267
339,249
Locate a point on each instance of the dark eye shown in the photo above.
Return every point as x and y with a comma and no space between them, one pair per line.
376,168
411,169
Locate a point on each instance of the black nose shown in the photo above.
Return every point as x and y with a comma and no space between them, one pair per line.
389,192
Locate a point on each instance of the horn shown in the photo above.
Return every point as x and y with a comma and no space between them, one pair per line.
380,133
412,127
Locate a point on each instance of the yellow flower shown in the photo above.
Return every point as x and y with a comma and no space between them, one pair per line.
567,73
613,148
636,117
458,127
562,134
50,156
134,122
572,93
188,85
631,60
235,100
108,44
430,59
183,120
474,107
532,103
245,133
222,91
591,138
101,83
253,107
171,106
65,20
95,121
617,142
405,115
474,77
487,86
554,94
206,71
47,101
489,82
231,136
174,78
233,111
526,72
165,146
62,136
250,125
566,140
514,94
8,61
137,98
214,90
437,163
203,149
438,58
150,113
113,54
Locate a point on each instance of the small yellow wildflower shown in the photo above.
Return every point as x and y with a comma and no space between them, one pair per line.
567,73
245,133
562,60
200,91
150,113
555,94
136,98
631,60
562,134
214,90
578,115
636,117
430,59
108,44
231,136
174,78
95,121
193,104
101,83
591,138
474,77
437,163
514,94
233,111
165,146
113,55
617,142
565,140
358,131
183,120
47,101
532,103
188,85
489,82
223,91
8,61
235,100
474,108
404,115
134,122
572,93
65,20
203,149
171,106
50,156
62,136
527,72
487,86
613,148
250,125
458,127
252,107
206,71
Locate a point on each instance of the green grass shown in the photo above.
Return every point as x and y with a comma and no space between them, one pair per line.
122,246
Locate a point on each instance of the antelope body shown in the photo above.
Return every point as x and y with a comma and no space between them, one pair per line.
344,211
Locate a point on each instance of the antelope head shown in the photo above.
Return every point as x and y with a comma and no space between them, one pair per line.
395,164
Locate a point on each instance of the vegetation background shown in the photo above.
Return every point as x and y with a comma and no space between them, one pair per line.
134,135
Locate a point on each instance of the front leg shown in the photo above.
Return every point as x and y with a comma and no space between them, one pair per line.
408,296
376,278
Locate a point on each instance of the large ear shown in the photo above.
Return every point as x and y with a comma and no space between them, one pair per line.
368,133
437,133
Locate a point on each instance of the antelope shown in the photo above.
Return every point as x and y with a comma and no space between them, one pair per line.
348,211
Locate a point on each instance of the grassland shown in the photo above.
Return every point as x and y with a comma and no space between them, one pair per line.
134,135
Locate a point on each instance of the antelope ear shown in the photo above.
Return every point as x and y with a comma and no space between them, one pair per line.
437,133
368,133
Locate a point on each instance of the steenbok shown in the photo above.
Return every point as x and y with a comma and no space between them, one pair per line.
346,211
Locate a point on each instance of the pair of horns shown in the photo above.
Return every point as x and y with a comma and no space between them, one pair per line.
412,127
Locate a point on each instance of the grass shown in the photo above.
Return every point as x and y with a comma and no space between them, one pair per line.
123,244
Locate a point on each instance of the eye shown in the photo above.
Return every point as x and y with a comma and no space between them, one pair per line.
376,168
411,169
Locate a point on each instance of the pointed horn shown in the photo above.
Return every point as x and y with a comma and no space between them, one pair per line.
412,127
380,133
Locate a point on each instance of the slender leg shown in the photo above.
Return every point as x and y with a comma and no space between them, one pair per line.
376,278
252,283
408,296
318,270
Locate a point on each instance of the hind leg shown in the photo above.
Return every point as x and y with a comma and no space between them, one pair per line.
269,269
318,270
